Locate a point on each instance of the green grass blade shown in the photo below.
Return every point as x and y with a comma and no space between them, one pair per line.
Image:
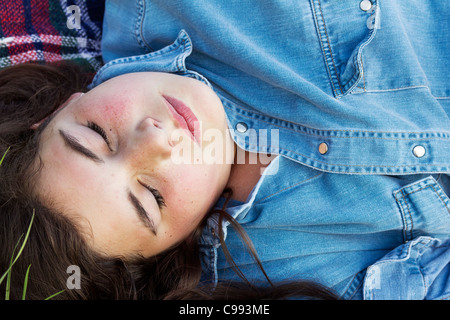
10,262
8,285
20,250
13,260
8,279
54,295
1,161
25,283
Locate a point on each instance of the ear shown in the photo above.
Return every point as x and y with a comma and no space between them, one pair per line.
72,98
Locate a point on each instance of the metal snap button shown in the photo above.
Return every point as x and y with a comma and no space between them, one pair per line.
419,151
323,148
365,5
241,127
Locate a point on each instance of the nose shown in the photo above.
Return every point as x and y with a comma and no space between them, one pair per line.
149,140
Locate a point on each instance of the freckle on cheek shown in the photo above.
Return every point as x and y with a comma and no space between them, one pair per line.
115,113
117,109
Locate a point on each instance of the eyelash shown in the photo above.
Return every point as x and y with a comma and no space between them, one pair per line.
93,126
158,197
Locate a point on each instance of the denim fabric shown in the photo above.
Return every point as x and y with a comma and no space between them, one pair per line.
325,227
371,86
417,270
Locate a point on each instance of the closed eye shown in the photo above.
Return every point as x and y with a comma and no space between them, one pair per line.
158,197
95,127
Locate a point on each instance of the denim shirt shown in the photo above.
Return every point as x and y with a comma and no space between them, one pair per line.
360,127
370,87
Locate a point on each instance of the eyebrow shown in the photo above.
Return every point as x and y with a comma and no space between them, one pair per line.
142,214
76,146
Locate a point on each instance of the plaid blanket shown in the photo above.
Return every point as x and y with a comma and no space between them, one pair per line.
51,30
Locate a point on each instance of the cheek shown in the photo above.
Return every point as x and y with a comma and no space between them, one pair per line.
193,194
113,110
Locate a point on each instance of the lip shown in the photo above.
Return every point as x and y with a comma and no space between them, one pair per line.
185,117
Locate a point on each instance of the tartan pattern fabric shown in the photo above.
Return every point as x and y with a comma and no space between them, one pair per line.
39,31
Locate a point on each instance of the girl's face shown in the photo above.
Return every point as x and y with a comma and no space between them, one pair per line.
127,161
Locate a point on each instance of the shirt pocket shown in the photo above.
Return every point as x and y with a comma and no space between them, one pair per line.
392,45
424,208
343,40
423,262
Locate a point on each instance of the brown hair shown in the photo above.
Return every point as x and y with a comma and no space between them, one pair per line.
28,93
